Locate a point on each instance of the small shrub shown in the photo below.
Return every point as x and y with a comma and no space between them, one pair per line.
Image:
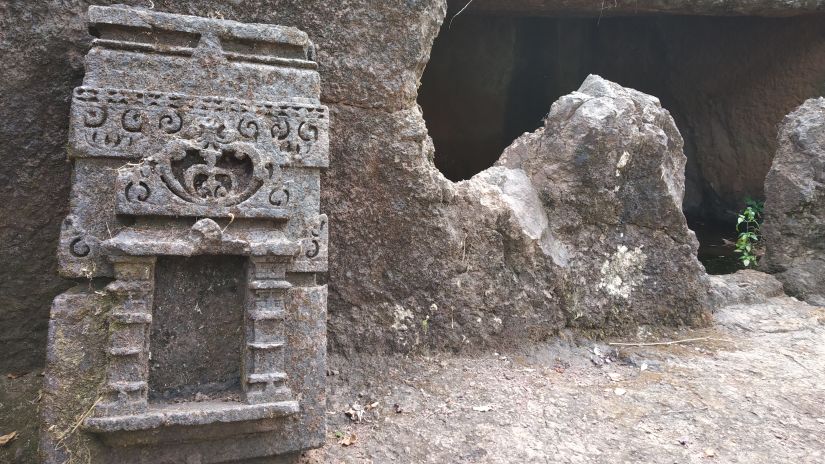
748,226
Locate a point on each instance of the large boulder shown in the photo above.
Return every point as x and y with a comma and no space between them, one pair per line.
794,230
609,170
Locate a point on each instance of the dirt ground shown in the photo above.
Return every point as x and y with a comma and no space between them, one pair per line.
751,389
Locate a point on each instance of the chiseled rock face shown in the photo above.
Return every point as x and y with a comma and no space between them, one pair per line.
608,169
794,229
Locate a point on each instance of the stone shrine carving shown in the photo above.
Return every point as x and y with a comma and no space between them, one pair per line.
194,137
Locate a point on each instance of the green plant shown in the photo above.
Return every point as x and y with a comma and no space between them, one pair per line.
748,226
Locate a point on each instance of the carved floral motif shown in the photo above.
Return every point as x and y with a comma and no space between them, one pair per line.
208,165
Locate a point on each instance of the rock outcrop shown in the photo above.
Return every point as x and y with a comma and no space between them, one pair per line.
579,224
794,230
608,167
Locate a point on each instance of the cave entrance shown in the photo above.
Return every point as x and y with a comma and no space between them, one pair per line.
727,81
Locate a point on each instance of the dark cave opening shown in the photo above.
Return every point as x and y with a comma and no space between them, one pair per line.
727,81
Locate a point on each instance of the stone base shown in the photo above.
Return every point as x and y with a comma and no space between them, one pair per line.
208,432
193,414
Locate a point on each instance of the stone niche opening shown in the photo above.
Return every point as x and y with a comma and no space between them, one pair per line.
727,81
197,332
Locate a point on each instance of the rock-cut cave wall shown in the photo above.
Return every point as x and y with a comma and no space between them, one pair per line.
414,260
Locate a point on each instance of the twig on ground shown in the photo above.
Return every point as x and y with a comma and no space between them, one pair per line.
673,342
682,411
77,424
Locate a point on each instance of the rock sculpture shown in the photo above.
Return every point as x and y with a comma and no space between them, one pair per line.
794,229
197,146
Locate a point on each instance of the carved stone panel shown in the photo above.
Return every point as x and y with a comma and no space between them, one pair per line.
194,136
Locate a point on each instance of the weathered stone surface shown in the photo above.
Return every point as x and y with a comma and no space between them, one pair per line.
162,151
77,368
625,7
730,114
608,168
405,238
195,342
362,66
34,185
417,260
550,237
794,229
743,287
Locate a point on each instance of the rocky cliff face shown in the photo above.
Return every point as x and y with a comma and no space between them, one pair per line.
794,229
579,224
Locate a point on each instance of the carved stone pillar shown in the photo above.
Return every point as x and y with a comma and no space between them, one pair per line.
131,315
264,371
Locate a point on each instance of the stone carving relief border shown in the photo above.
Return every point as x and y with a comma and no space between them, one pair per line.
118,123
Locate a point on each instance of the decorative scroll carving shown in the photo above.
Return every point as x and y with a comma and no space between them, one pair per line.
314,246
78,249
315,238
130,124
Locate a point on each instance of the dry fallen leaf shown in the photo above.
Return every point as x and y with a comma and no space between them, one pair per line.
348,440
8,438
